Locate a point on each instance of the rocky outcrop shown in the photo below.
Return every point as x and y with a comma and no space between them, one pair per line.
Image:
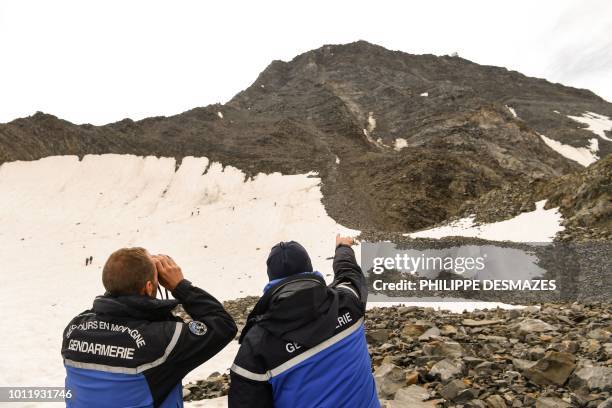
584,199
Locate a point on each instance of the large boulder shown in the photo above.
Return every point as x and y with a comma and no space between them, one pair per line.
389,378
553,369
592,378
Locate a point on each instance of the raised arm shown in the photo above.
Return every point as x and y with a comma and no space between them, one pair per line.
347,272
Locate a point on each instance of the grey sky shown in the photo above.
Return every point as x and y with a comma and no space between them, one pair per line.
101,61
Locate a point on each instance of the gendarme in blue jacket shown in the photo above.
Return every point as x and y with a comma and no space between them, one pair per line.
304,344
133,351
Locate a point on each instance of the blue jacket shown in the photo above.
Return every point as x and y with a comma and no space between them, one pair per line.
304,344
133,351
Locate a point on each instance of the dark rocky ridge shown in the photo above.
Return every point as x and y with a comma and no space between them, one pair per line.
462,142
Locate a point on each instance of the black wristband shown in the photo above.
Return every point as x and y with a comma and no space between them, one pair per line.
182,289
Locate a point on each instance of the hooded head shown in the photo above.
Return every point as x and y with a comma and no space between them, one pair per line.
287,259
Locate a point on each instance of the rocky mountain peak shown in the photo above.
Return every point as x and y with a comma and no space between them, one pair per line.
406,139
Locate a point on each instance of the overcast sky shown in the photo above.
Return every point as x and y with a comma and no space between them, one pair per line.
101,61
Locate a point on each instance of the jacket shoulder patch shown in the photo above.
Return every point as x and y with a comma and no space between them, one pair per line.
197,328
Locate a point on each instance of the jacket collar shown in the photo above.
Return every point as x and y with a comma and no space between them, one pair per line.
300,309
134,306
275,282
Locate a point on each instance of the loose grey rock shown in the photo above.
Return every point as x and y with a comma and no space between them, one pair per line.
476,404
452,389
606,404
522,365
389,378
479,323
495,401
551,402
533,326
443,349
554,369
378,336
414,330
429,334
594,378
448,330
414,396
466,395
599,334
447,369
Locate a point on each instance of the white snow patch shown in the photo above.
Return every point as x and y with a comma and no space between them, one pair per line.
369,138
512,111
425,94
371,122
220,363
337,160
597,123
370,128
594,145
57,211
557,112
457,305
400,143
536,226
219,114
583,155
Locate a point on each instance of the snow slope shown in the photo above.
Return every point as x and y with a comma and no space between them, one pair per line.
536,226
57,211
